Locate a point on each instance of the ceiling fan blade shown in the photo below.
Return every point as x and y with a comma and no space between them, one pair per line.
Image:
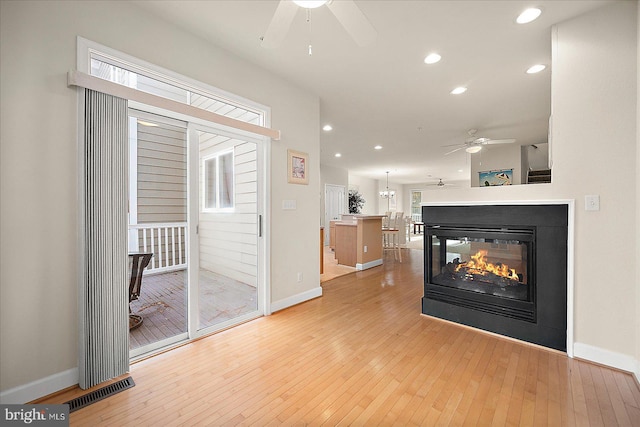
454,145
353,21
500,141
453,151
279,25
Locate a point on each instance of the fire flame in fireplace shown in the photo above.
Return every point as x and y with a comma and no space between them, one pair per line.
479,265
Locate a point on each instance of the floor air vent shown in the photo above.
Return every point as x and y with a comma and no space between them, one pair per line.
99,394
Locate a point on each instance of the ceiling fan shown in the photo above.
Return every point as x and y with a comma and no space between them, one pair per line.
473,144
438,184
345,11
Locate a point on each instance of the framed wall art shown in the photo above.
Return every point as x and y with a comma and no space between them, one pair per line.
497,177
297,167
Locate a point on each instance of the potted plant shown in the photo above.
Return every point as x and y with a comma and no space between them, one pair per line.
356,202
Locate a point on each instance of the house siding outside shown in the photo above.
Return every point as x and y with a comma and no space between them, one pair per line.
162,174
228,240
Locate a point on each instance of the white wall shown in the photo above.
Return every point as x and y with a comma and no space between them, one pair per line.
369,189
594,137
39,198
538,157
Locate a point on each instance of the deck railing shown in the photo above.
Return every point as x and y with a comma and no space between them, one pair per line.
167,241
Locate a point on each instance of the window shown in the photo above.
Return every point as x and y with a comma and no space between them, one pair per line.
147,81
416,200
218,182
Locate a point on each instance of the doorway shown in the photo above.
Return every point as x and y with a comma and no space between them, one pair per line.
335,202
196,204
158,226
226,216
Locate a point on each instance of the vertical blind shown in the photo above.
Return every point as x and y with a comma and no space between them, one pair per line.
104,331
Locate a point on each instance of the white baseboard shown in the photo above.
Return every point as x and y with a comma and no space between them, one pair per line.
296,299
40,388
606,357
369,264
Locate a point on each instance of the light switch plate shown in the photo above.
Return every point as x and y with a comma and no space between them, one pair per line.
592,203
289,205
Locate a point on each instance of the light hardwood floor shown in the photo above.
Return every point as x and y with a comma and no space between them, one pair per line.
331,267
362,355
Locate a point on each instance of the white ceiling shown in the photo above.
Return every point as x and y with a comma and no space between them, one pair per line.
384,93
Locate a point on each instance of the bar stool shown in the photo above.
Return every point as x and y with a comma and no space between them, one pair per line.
391,235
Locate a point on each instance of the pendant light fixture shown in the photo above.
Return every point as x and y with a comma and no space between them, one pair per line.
388,194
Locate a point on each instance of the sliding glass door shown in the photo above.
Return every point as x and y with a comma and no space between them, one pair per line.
225,209
158,226
195,200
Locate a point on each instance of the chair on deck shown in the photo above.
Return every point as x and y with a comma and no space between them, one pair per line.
139,261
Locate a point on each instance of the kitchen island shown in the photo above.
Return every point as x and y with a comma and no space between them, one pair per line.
358,241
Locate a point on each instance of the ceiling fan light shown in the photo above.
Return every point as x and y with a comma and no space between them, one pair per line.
528,15
310,4
473,149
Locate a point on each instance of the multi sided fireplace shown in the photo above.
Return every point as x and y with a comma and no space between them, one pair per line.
499,268
483,268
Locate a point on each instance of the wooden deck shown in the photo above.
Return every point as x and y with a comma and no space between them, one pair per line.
162,304
364,355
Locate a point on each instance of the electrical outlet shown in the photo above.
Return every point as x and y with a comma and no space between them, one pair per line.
299,277
365,249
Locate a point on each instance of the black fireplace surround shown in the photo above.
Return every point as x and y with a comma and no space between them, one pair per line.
501,268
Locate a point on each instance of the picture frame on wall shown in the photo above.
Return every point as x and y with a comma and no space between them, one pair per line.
496,177
297,167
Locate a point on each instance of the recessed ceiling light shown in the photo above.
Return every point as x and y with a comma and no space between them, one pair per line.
460,170
536,69
459,90
432,58
378,147
528,15
338,155
327,128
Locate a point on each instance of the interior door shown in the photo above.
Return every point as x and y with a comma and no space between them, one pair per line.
335,200
226,214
